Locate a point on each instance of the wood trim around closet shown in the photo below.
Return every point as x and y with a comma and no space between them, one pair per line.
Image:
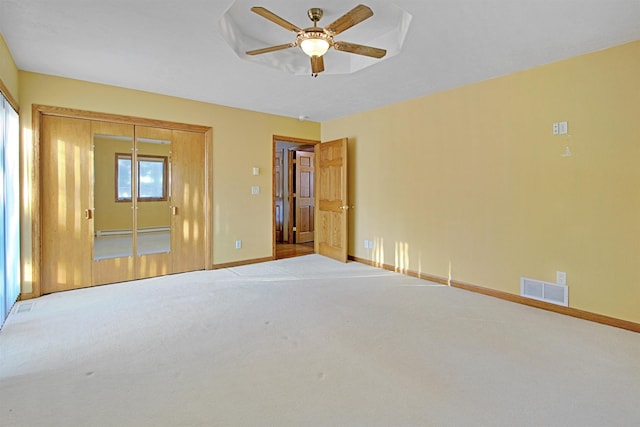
35,211
116,118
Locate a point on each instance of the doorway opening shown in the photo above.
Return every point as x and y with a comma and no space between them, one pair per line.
293,196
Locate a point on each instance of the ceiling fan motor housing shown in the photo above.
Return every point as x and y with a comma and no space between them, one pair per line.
315,14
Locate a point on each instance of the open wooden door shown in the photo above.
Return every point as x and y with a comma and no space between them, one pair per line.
305,197
332,200
279,200
291,174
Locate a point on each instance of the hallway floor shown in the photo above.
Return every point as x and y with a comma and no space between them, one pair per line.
289,250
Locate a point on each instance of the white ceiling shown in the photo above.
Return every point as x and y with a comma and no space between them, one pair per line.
175,47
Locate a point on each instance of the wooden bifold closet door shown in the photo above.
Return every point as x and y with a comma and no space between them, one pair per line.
188,201
66,166
119,202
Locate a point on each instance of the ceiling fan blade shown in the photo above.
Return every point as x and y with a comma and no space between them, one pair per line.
271,49
373,52
275,19
349,19
317,64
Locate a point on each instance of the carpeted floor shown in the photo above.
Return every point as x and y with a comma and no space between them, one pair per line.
308,342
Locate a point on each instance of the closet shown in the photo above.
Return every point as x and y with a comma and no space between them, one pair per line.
121,199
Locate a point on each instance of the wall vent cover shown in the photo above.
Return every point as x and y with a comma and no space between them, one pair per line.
544,291
25,307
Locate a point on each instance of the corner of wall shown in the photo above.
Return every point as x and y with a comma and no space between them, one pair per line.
8,74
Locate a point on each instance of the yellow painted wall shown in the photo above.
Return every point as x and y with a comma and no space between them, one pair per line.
241,140
8,69
471,183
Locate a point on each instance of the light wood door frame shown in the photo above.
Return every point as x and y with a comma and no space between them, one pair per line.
275,140
35,207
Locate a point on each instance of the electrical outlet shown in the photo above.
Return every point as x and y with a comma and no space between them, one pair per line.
238,244
561,278
556,128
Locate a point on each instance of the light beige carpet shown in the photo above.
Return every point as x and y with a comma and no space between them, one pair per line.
308,342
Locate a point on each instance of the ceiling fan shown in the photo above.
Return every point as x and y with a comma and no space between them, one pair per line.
315,41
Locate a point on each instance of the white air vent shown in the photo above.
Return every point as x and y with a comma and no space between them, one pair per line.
544,291
24,307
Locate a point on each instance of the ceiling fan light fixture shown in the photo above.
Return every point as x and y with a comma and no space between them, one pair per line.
314,43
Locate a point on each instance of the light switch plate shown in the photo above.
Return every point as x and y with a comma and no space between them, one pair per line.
563,128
